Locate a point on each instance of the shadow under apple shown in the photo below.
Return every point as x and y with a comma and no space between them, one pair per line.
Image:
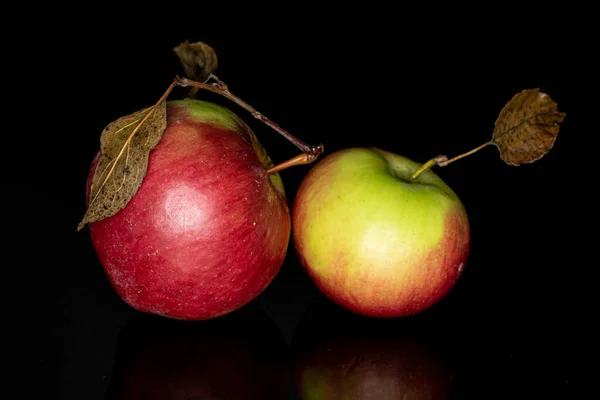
238,356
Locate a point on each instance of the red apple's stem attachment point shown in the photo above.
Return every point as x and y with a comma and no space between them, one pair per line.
443,161
219,87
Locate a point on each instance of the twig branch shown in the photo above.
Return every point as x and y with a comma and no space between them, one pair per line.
310,153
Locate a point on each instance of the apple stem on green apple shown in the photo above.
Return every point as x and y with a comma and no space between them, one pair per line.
468,153
310,153
443,161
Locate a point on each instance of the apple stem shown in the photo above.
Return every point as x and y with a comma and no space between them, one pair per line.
310,153
434,161
301,159
443,161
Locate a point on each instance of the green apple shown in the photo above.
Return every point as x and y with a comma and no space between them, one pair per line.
374,241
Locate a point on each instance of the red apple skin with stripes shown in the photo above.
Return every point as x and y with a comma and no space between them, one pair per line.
375,242
208,229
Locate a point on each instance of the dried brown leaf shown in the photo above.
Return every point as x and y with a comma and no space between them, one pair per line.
199,60
527,127
125,145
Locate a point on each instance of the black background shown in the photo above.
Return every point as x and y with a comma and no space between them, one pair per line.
515,325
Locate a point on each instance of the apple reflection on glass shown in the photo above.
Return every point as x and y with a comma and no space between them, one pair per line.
353,357
238,356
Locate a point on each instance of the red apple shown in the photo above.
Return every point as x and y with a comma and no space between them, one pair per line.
375,241
207,230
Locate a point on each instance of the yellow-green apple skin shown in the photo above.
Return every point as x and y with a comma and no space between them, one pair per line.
374,242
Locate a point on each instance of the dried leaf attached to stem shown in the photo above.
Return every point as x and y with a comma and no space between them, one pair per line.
525,131
527,127
126,143
198,60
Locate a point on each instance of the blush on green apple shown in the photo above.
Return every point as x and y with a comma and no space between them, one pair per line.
374,241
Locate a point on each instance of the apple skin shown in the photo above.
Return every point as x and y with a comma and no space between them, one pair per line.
373,242
207,230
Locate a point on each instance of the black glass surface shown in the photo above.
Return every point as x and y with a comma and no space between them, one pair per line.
515,326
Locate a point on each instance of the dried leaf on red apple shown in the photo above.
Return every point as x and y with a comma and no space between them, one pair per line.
125,145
